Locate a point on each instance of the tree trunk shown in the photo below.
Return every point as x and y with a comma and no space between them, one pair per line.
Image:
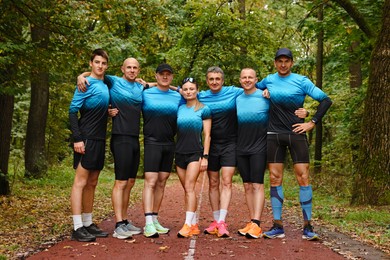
6,112
35,156
355,82
319,72
373,168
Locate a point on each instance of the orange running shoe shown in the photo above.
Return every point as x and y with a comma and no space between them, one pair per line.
195,230
212,229
244,230
254,232
222,229
185,231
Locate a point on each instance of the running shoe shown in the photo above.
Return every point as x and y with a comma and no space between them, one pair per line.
222,229
195,229
133,229
121,232
160,229
185,231
244,230
254,231
150,231
96,231
82,235
309,234
212,229
276,231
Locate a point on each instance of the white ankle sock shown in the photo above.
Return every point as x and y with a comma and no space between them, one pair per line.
222,215
77,222
87,219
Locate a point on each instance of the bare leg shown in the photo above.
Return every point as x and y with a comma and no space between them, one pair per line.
76,198
248,188
117,198
159,190
226,192
214,189
149,189
126,196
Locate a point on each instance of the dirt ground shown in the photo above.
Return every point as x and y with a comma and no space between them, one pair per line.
332,245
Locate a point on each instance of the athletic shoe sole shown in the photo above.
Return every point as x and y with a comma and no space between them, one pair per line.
155,235
253,236
274,236
83,239
119,236
310,238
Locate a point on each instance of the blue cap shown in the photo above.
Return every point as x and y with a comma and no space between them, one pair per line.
284,52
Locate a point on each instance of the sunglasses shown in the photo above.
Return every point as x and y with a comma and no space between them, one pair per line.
191,80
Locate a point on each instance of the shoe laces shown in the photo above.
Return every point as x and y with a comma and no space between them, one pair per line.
308,228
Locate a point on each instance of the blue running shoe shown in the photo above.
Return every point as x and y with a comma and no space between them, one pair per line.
309,234
276,231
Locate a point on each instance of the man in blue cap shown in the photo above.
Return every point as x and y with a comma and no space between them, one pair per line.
159,109
286,130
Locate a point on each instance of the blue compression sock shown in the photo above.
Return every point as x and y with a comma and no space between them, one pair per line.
277,198
305,198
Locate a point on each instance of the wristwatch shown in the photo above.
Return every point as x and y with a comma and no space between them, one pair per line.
314,120
206,156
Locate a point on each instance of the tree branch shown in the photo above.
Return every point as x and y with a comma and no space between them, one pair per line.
357,17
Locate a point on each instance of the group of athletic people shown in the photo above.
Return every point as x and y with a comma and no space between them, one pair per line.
217,130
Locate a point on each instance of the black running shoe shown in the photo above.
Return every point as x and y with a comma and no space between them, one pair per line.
82,235
97,232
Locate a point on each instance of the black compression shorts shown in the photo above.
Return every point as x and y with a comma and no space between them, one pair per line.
297,144
252,167
126,152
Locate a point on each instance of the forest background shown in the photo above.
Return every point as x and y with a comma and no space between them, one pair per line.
342,45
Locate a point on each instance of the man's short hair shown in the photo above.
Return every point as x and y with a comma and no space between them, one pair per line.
215,69
99,52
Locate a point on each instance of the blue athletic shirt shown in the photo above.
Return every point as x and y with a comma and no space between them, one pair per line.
189,128
252,116
159,111
223,112
126,96
287,94
92,105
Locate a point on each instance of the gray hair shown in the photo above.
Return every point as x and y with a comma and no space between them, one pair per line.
215,69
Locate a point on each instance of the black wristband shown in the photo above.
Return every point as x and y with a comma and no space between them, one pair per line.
206,156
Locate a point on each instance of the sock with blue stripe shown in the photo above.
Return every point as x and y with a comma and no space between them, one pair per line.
277,199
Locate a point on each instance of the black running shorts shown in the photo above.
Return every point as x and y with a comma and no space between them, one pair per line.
158,158
182,160
93,159
222,155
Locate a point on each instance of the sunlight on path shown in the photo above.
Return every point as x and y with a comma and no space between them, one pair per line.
191,249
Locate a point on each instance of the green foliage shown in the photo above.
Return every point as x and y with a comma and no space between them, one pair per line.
191,36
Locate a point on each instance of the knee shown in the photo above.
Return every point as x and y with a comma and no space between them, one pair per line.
79,183
150,184
130,183
276,178
213,182
120,185
227,184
